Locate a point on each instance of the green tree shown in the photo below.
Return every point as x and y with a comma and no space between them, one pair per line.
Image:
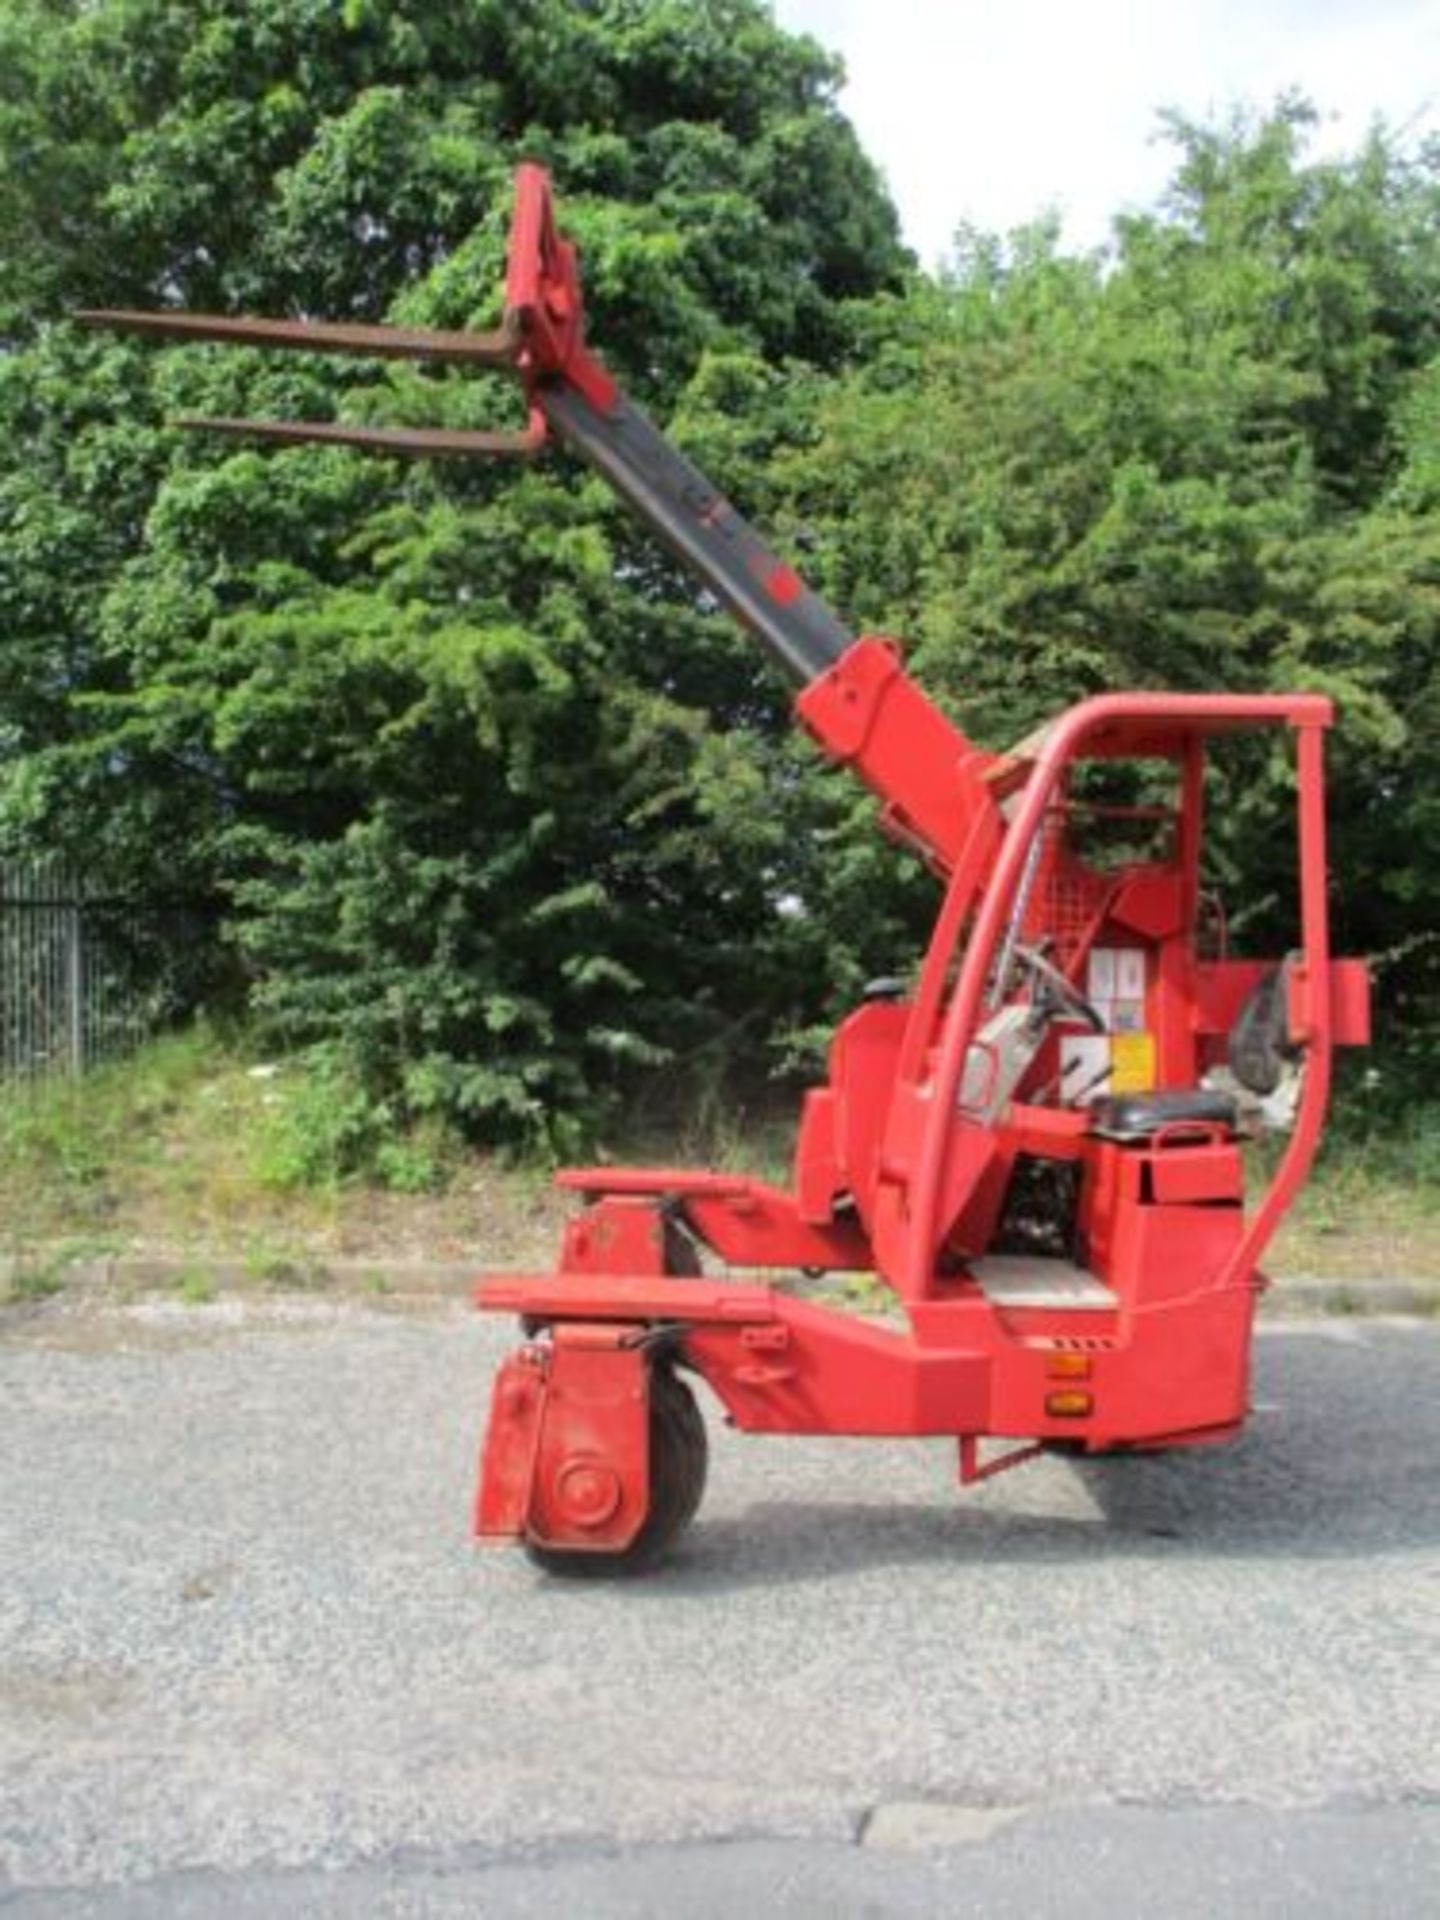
483,795
449,752
1204,458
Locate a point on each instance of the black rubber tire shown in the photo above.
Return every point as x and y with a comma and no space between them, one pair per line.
679,1457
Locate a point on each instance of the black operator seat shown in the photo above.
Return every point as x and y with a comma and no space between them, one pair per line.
1259,1051
1139,1116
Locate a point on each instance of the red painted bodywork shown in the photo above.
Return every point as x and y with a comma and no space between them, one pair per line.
905,1155
567,1455
931,1111
894,1176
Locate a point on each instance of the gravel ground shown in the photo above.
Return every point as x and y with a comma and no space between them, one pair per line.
242,1627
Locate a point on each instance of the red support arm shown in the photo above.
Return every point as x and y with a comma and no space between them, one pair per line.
868,714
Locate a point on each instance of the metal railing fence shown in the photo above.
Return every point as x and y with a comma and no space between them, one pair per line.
82,976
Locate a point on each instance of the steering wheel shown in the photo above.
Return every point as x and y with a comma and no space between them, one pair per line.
1053,996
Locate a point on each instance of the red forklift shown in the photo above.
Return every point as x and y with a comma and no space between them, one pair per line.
1036,1143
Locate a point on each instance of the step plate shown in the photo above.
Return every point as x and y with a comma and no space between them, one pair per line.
1027,1280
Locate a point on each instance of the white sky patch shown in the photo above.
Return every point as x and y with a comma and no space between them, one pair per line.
994,110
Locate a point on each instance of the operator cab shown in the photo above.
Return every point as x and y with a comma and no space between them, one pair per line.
1108,1053
1121,1054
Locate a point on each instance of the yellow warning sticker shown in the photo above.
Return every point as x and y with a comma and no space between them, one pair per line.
1132,1062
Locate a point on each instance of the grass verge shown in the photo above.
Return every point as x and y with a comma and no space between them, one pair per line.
189,1149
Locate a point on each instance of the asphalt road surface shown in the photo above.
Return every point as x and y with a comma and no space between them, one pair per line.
251,1663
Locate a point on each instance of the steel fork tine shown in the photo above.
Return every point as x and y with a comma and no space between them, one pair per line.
499,347
419,443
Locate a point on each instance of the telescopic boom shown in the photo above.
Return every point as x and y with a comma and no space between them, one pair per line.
855,697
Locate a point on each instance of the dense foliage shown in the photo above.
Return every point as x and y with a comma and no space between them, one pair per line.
481,797
1209,458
